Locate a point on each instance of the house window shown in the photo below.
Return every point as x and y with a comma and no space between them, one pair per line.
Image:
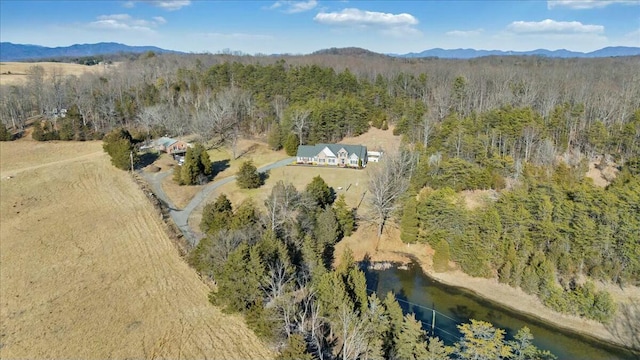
353,162
321,161
332,161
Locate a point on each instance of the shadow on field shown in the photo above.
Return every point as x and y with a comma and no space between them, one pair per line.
147,159
219,166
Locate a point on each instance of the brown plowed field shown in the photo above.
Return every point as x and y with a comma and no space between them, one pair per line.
87,271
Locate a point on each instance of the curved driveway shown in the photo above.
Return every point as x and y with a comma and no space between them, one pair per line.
181,216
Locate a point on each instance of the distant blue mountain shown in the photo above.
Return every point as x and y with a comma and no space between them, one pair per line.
472,53
18,52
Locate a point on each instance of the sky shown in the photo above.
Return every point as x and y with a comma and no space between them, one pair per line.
301,27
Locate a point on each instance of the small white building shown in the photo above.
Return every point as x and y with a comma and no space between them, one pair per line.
374,156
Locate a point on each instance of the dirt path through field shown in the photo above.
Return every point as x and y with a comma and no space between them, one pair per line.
88,272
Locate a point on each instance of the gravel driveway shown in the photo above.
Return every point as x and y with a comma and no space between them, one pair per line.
181,216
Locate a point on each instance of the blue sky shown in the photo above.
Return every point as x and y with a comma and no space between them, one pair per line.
305,26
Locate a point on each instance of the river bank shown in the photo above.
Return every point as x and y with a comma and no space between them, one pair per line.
391,249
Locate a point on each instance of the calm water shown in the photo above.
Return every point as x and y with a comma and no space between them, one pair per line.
419,294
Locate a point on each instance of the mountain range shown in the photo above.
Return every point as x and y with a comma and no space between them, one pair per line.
472,53
21,52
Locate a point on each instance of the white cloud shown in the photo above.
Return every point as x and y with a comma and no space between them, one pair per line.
159,20
294,7
588,4
389,24
549,26
357,17
464,33
129,4
170,5
126,23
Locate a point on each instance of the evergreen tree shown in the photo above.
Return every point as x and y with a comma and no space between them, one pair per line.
5,135
436,350
345,216
190,169
409,221
296,349
393,312
205,165
291,144
274,139
320,192
442,256
378,326
119,145
248,177
216,215
481,341
523,348
411,343
246,215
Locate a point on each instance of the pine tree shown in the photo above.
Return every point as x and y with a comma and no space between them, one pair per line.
190,170
481,341
274,138
523,348
296,349
393,312
320,192
248,177
409,221
411,343
442,256
344,215
216,215
119,145
291,144
206,167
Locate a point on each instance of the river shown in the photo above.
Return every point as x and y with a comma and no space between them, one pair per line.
418,293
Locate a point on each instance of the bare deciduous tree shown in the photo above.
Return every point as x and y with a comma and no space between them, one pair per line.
387,184
300,123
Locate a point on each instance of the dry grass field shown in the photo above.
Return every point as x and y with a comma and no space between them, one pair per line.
87,271
352,183
16,73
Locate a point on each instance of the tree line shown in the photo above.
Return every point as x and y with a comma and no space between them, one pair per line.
576,103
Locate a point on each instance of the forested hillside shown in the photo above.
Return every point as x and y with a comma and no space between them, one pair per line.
525,127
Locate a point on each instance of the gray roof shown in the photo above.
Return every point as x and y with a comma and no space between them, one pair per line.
313,150
165,141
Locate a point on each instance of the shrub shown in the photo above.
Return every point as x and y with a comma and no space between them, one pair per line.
248,176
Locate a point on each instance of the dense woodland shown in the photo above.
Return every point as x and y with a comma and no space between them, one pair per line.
274,266
525,127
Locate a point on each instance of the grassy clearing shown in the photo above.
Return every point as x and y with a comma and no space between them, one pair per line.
224,167
16,73
353,184
88,272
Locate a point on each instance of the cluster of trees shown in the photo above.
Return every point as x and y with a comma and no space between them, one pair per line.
275,267
196,169
544,235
